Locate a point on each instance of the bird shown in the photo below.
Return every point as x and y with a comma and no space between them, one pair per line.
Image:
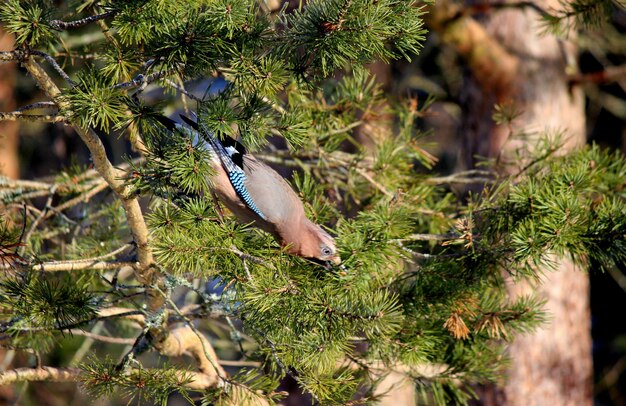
256,194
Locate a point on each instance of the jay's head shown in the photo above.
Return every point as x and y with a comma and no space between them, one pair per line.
314,243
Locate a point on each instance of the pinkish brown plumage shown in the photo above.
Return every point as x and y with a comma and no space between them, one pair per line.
257,194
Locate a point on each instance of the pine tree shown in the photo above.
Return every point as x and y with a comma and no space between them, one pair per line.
140,254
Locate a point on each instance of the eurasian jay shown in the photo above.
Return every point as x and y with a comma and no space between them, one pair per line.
257,194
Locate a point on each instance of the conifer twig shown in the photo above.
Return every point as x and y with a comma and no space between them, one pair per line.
55,65
465,177
429,237
35,223
38,105
371,180
82,198
69,266
64,25
183,90
198,381
8,56
142,80
22,183
43,118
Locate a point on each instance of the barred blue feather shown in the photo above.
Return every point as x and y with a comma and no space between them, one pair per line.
238,179
231,158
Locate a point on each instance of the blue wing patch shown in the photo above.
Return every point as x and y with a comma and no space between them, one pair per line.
237,179
231,157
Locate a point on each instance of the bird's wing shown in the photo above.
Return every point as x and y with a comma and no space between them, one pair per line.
272,194
231,154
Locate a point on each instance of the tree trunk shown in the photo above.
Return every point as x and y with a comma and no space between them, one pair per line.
552,366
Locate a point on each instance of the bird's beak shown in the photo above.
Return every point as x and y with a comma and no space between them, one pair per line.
328,265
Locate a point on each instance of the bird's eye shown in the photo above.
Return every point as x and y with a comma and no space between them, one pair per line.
326,251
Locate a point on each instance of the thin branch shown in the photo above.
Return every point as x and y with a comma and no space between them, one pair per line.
413,252
38,105
23,184
104,314
198,382
275,106
38,220
122,312
227,363
342,130
64,25
95,263
82,265
378,369
108,254
184,340
429,237
55,65
251,258
69,266
142,80
48,374
84,197
457,179
618,277
374,182
183,90
104,339
9,56
610,74
44,118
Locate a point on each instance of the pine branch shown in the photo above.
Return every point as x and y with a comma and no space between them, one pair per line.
182,90
198,381
378,369
104,339
10,56
38,105
25,184
33,226
48,374
465,177
69,266
110,174
64,25
82,198
122,312
42,118
429,237
141,81
54,64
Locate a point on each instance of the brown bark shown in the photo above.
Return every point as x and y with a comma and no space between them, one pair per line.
9,162
553,366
